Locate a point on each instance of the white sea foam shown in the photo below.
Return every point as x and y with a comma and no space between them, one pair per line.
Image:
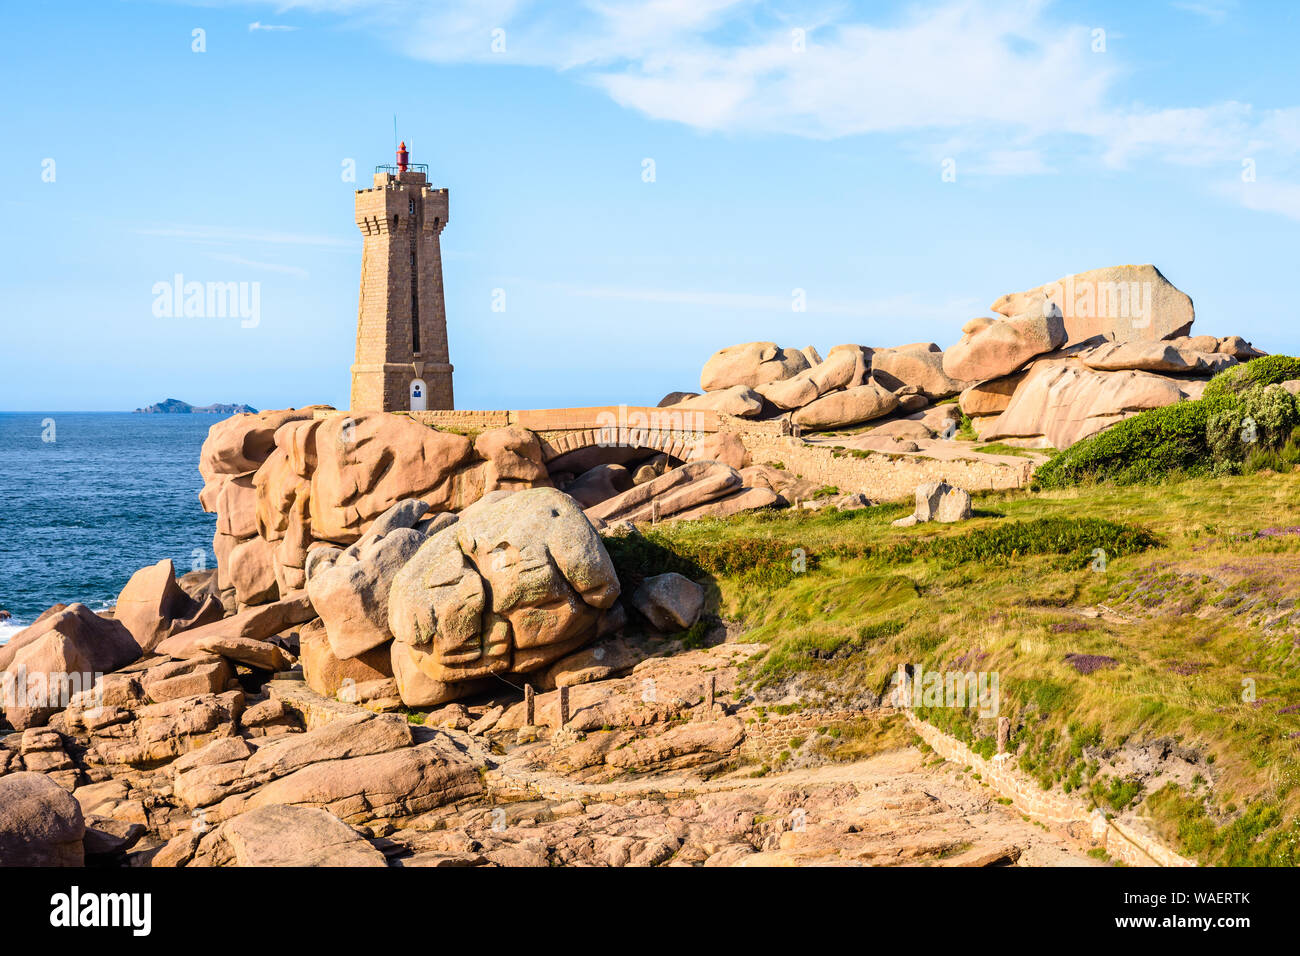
9,629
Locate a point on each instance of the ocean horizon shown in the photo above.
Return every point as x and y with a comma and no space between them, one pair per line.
92,497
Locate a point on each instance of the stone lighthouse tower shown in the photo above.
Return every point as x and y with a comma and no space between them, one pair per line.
402,361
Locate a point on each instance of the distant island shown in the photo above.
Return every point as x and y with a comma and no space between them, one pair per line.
174,406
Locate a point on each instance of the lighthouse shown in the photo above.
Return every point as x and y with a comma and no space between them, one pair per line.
402,361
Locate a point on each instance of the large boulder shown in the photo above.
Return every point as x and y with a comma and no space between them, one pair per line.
512,458
327,674
398,783
244,637
365,464
991,397
671,601
740,401
938,501
153,606
520,580
845,366
285,836
1063,401
919,365
676,490
750,364
58,656
41,824
1180,357
1119,302
349,588
848,407
991,348
724,447
599,484
790,392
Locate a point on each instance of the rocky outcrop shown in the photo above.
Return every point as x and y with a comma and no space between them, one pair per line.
1063,401
993,348
282,483
56,657
1179,356
740,401
153,606
751,364
40,823
1123,303
519,581
920,365
850,406
349,588
671,602
679,490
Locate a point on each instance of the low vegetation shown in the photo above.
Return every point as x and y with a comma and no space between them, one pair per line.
1106,633
1245,422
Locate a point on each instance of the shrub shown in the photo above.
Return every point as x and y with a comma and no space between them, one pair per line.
1269,370
1191,438
1261,419
1147,447
1077,539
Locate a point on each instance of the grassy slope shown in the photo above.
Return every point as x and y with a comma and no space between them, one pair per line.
871,597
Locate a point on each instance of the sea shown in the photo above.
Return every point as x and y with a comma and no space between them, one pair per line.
87,498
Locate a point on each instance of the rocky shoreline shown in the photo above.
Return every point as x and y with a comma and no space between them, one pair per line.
415,648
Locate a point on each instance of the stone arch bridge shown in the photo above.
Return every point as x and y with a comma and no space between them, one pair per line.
564,430
883,477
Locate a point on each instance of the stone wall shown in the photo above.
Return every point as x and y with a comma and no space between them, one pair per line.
462,419
764,739
1121,842
878,476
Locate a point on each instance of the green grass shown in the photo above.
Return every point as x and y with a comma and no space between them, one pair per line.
1013,591
1002,448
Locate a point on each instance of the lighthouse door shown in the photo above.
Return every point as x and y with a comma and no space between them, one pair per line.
419,401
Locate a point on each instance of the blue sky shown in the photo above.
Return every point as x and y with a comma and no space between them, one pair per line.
783,161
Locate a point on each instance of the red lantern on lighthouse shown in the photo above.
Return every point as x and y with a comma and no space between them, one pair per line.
403,157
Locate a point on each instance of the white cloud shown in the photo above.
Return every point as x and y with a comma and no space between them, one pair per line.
1215,10
1008,87
262,266
258,26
